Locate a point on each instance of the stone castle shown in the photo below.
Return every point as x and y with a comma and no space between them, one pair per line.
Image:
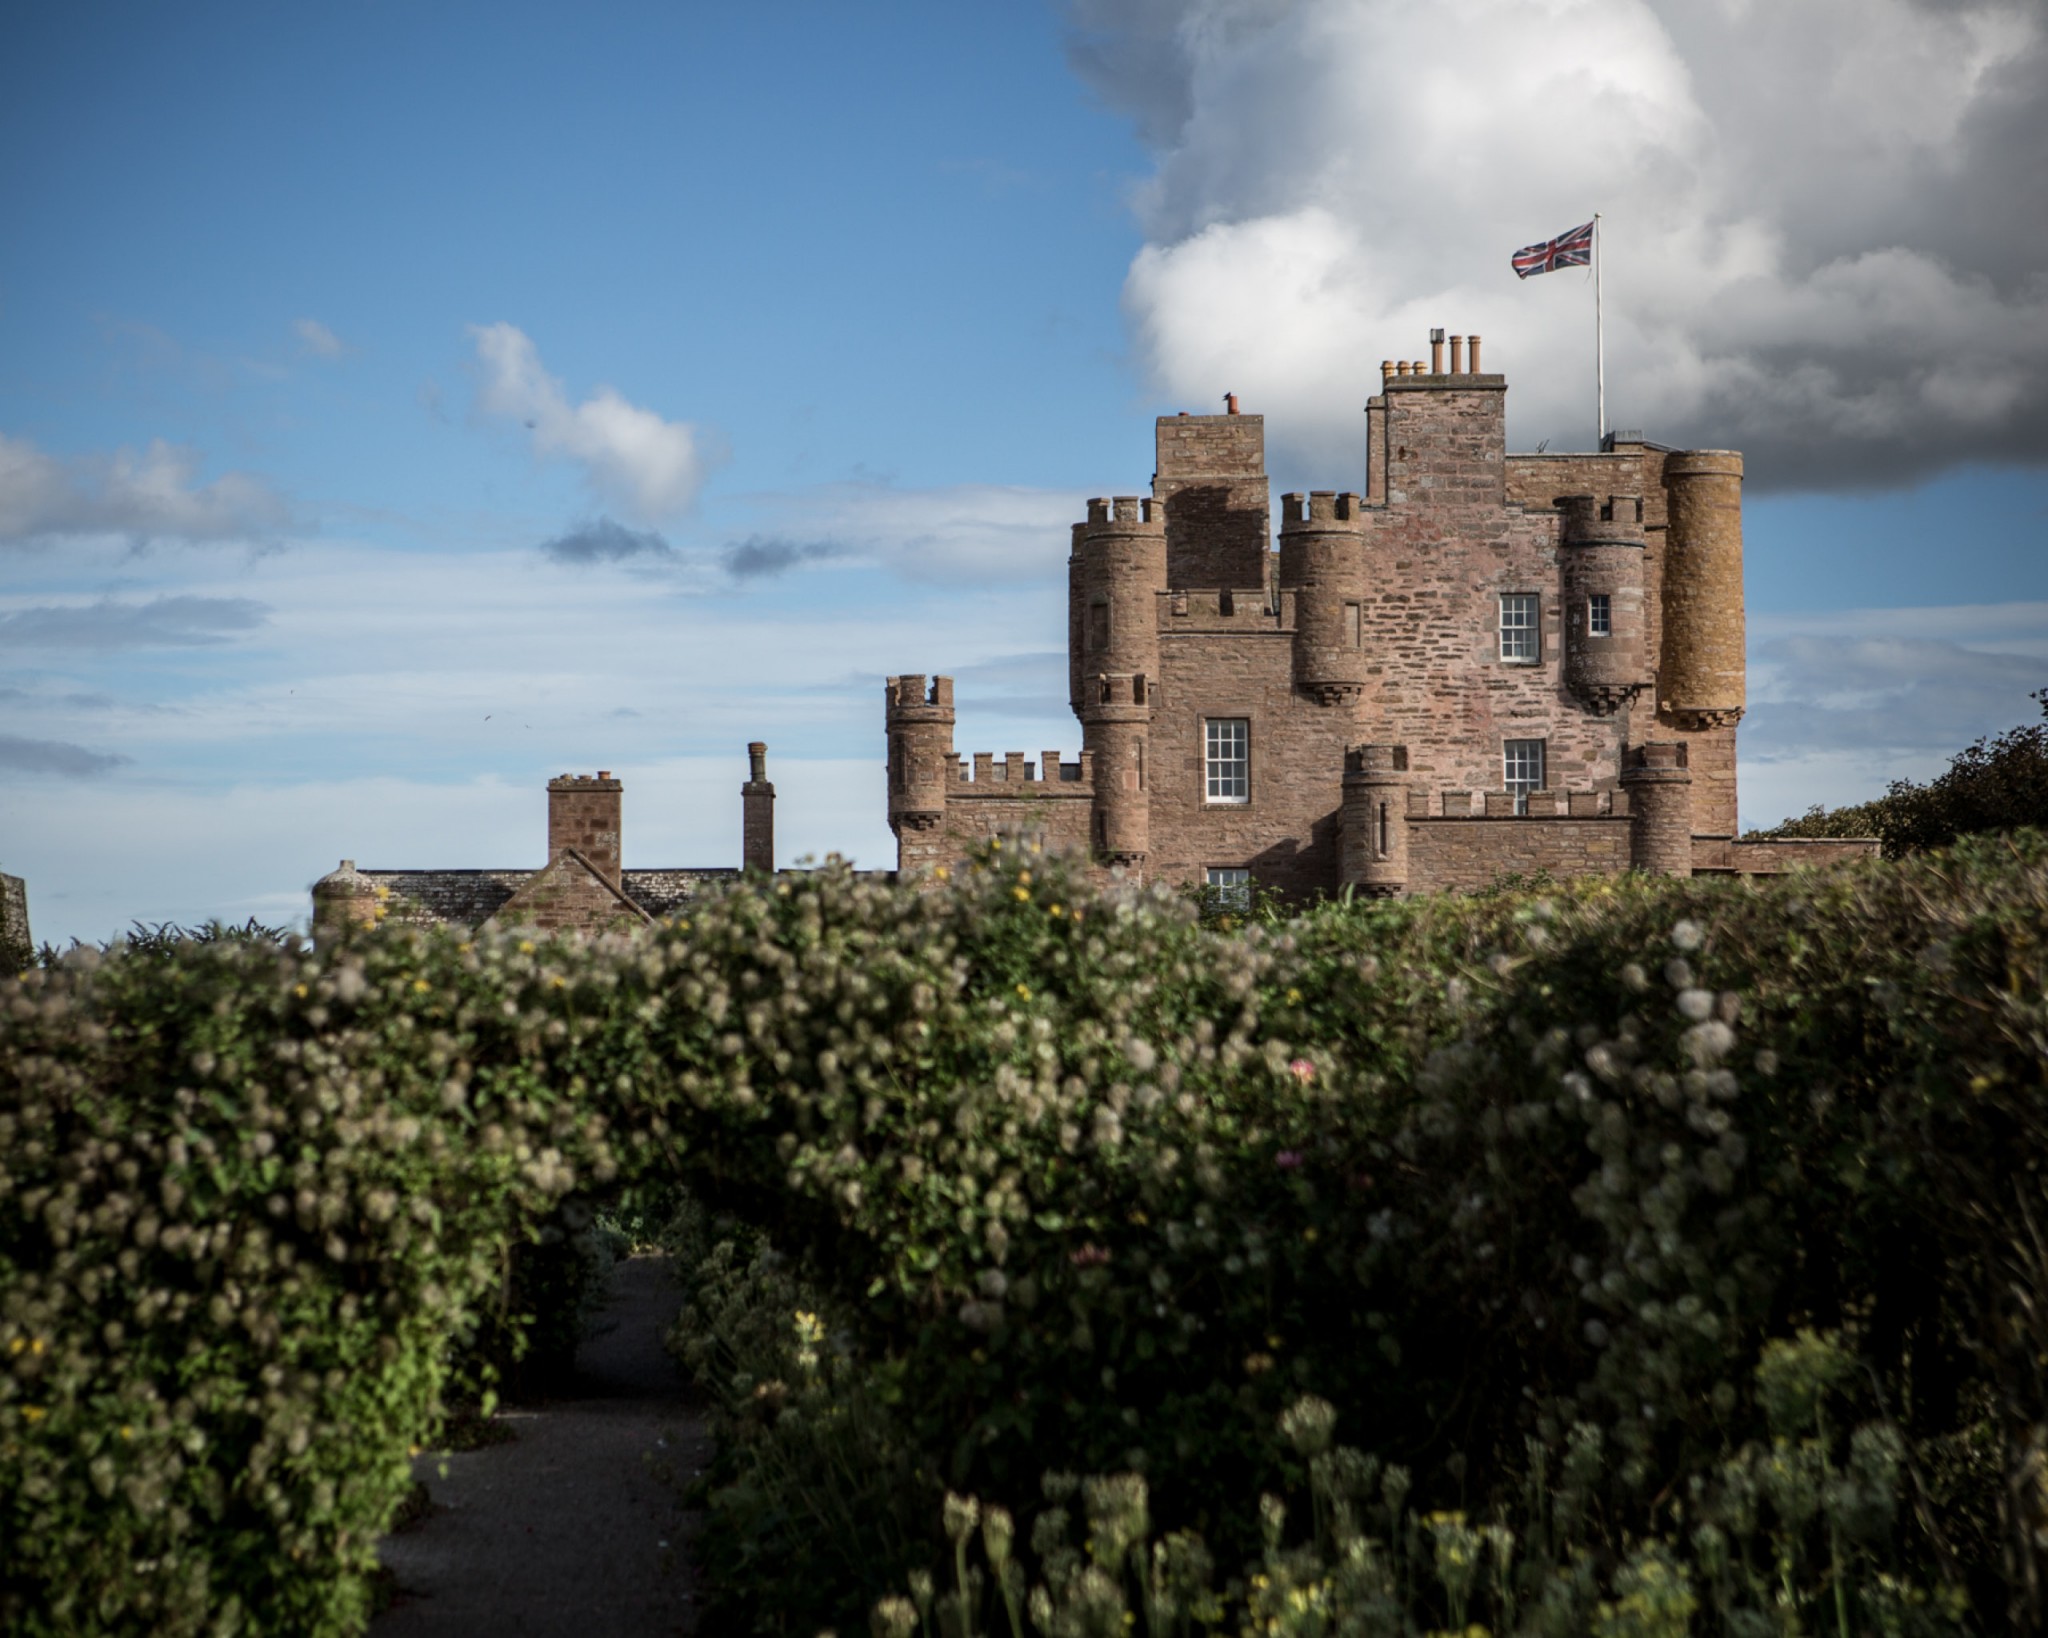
1481,664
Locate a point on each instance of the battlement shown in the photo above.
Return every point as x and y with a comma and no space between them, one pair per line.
908,693
1376,759
1518,806
1657,756
1011,774
1590,520
1123,513
1323,507
1247,608
599,782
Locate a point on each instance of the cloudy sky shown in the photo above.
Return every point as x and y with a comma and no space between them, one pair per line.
402,404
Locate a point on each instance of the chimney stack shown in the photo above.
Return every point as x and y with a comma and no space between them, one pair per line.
585,814
757,814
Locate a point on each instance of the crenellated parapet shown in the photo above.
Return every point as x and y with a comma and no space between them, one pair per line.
1322,562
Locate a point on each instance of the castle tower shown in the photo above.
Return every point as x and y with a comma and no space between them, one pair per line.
1659,786
1322,558
921,761
1701,674
1211,479
1605,630
585,813
1119,570
757,814
1375,856
343,900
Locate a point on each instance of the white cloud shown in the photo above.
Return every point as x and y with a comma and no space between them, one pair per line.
961,534
150,495
1822,233
649,468
317,339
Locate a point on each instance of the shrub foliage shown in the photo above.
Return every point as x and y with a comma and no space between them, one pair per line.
1628,1257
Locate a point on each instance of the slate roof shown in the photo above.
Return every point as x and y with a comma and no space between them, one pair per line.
469,898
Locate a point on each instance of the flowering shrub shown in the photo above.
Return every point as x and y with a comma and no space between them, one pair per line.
1664,1252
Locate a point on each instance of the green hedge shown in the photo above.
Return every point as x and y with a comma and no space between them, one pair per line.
1683,1234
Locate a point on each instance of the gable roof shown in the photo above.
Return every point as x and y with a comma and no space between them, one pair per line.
569,893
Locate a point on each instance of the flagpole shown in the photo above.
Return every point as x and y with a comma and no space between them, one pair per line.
1599,344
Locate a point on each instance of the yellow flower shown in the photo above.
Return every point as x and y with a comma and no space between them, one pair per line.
1309,1235
17,1345
559,983
1022,894
1294,998
526,946
300,991
33,1413
127,1433
995,844
36,1346
421,985
1024,992
942,873
1054,910
1024,876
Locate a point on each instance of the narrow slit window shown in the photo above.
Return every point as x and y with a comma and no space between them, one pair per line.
1599,615
1228,759
1353,634
1518,627
1098,625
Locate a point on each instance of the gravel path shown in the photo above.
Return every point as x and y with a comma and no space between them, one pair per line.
575,1527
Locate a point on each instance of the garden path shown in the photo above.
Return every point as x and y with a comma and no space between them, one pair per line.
576,1526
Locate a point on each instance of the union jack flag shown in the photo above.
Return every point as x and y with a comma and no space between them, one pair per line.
1573,249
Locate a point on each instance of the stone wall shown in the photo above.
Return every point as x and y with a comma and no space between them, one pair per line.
1462,855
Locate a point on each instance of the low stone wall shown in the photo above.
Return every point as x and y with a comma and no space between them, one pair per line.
1460,855
1721,855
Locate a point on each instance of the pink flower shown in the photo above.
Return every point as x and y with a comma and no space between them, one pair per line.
1287,1159
1090,1255
1302,1070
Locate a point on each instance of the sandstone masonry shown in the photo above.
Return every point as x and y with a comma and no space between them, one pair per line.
1481,663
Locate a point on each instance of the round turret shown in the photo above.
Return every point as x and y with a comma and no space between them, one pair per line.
344,899
1659,787
1601,556
1117,573
1375,847
1322,561
1701,674
921,762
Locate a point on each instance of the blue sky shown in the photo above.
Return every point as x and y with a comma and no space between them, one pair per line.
403,404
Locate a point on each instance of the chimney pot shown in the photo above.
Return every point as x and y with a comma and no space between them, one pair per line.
1436,352
1457,355
1474,340
1230,403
